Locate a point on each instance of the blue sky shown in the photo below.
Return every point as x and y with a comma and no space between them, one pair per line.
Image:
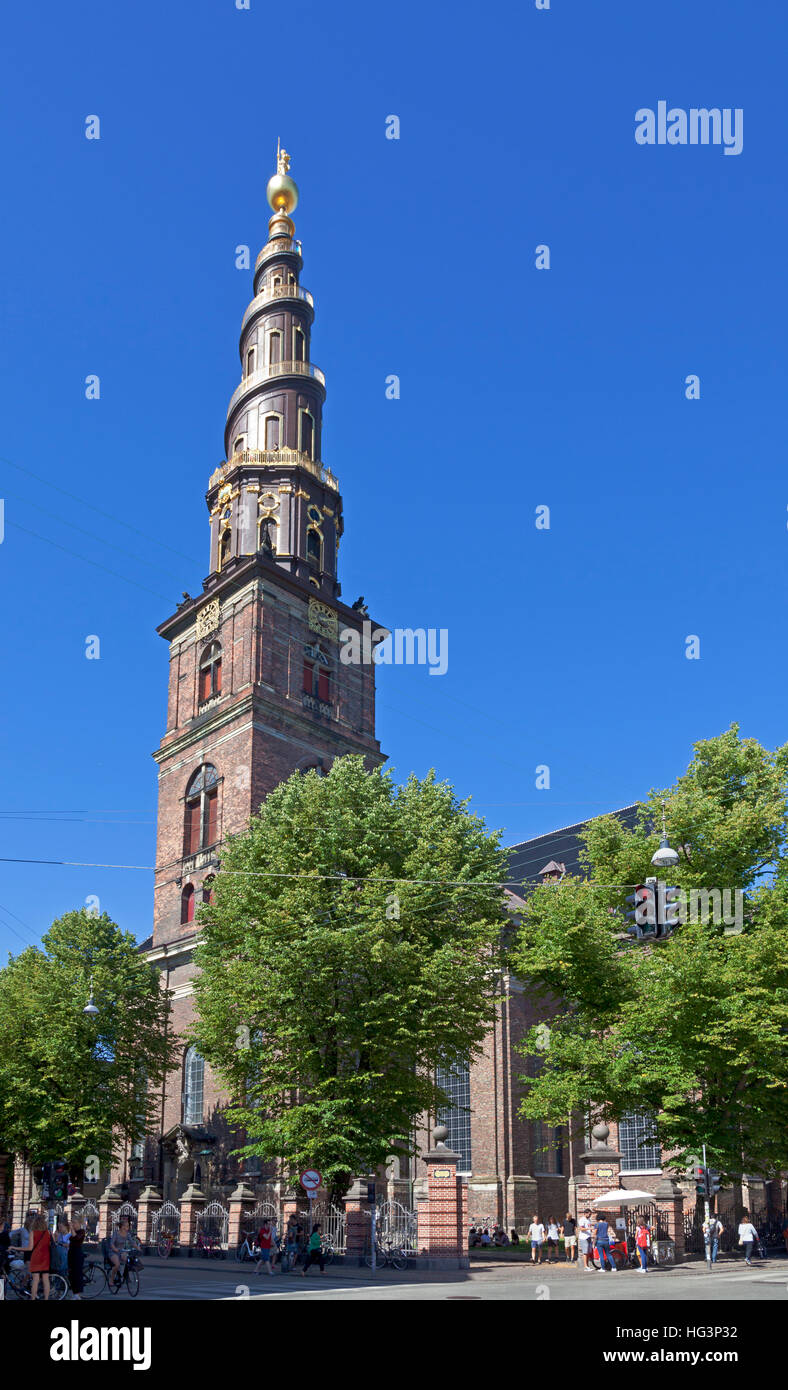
519,387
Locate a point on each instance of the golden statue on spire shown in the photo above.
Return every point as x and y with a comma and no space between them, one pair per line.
282,191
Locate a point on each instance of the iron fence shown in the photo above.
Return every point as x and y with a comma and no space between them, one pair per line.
397,1225
167,1220
129,1211
214,1221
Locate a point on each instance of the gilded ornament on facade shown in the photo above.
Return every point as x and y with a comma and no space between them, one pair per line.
207,619
323,619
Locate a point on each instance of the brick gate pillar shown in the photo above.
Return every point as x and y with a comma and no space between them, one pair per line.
241,1201
670,1204
601,1171
75,1200
108,1203
443,1226
148,1203
358,1224
191,1204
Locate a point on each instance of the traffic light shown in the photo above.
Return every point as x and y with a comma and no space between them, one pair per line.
644,911
701,1180
668,909
714,1181
54,1186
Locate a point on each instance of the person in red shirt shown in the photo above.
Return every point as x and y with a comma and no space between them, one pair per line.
642,1242
265,1240
40,1254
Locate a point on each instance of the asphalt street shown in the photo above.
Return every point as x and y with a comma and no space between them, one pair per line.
181,1279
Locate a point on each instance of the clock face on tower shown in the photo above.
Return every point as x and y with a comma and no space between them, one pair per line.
322,619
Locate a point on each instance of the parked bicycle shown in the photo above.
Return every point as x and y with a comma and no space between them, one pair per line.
165,1244
209,1245
387,1253
248,1249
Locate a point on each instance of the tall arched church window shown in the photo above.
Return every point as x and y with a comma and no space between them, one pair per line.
267,529
225,547
250,356
210,682
193,1087
275,346
272,432
307,443
202,810
187,904
299,345
314,547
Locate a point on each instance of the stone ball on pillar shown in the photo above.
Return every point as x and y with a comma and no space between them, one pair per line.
439,1136
600,1133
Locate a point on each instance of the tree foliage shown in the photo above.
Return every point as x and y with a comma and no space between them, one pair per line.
350,950
71,1085
693,1031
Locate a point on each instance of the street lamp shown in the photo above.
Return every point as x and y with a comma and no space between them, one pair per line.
90,1008
665,857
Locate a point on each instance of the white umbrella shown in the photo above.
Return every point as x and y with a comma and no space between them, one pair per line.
622,1197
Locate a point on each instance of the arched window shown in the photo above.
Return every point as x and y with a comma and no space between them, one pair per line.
317,674
210,681
272,432
299,345
250,356
240,444
202,810
193,1086
314,547
207,888
225,547
307,424
275,346
187,904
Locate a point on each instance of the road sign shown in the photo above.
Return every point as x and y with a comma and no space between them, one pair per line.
311,1179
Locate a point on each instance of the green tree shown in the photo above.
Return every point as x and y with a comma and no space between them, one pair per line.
350,950
72,1085
693,1030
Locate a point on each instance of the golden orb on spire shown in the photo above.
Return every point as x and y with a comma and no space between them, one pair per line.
282,191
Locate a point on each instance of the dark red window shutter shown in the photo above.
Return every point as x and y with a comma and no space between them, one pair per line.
309,677
211,817
205,682
187,904
324,685
193,827
217,677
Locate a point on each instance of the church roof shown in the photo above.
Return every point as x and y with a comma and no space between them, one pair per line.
558,850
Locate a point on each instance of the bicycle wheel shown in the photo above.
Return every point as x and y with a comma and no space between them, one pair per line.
242,1253
94,1280
399,1259
164,1246
58,1288
113,1283
132,1282
328,1254
17,1285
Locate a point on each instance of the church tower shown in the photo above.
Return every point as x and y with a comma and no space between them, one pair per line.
256,688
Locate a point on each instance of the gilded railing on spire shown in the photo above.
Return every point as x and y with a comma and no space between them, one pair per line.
282,458
277,246
275,292
273,369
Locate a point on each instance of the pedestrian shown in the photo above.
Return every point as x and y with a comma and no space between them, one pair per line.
315,1251
642,1244
40,1255
21,1242
265,1241
536,1235
292,1232
748,1236
569,1233
712,1230
76,1257
60,1241
585,1236
553,1237
515,1238
602,1237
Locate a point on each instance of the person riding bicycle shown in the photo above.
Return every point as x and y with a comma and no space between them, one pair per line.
119,1246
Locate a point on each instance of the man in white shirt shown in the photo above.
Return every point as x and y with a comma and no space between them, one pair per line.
536,1235
586,1238
748,1236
